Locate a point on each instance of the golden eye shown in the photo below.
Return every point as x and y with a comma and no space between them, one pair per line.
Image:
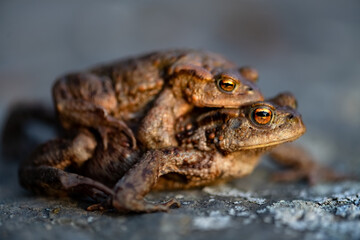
262,115
227,84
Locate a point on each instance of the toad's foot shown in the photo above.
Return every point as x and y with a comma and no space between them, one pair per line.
145,207
312,176
123,205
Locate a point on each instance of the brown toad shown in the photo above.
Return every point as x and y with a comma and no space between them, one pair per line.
218,145
156,88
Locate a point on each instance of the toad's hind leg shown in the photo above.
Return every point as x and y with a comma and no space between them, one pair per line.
44,172
300,165
87,100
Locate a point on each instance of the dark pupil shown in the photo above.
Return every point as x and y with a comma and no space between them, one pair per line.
227,84
263,114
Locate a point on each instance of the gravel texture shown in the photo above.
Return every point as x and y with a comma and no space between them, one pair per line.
249,207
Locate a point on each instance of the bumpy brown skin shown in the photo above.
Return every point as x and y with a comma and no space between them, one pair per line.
45,172
214,146
221,145
161,86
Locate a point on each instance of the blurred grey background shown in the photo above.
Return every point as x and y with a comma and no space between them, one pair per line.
310,48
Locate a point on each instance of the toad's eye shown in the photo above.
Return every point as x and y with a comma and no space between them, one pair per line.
262,116
226,84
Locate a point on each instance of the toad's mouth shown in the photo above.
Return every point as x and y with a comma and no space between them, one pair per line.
269,144
230,105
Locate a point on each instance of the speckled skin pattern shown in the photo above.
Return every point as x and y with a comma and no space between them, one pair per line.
211,147
156,89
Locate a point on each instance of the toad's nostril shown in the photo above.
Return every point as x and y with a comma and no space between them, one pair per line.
249,89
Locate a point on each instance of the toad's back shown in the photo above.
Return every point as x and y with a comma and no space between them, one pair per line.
138,80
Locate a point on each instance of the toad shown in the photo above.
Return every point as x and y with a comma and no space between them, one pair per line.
155,89
213,146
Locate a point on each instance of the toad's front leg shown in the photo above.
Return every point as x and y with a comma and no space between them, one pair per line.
44,172
130,191
157,128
